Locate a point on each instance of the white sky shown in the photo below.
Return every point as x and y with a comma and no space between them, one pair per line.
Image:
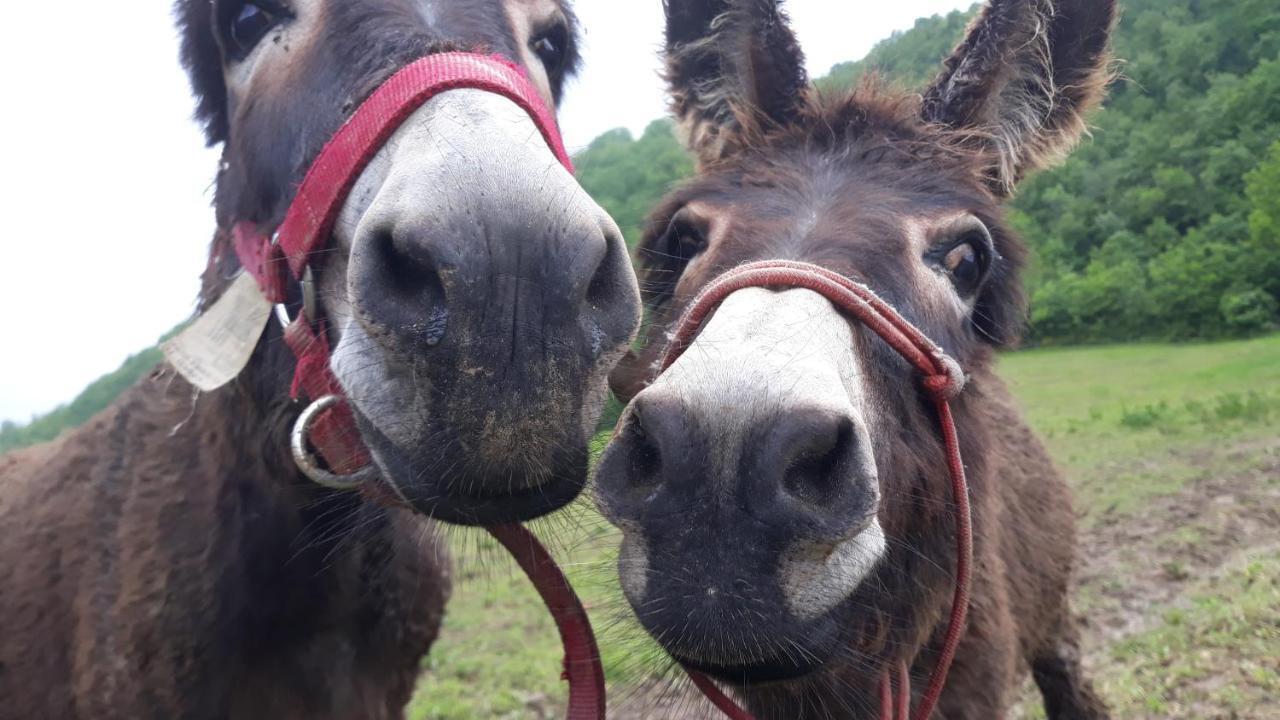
105,180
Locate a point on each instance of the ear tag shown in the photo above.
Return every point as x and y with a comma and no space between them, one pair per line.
218,345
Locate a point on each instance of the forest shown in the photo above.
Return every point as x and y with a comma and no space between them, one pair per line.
1164,225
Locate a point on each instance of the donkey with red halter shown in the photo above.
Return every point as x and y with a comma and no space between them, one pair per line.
451,302
827,493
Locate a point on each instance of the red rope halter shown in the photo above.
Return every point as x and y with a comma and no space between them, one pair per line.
943,379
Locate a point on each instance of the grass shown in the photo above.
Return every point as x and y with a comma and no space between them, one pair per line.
1132,422
1216,650
1126,423
499,655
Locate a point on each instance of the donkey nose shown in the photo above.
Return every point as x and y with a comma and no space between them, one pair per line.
432,287
805,470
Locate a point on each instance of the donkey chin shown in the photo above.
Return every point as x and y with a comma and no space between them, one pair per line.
763,519
479,299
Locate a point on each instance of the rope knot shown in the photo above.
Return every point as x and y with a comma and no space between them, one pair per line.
949,383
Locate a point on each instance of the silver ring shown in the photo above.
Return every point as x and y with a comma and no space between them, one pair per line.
310,308
306,460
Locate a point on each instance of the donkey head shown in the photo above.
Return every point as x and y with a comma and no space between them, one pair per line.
476,296
775,487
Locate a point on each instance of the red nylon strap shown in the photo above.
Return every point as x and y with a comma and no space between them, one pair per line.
723,702
328,181
324,189
261,259
310,219
943,379
582,666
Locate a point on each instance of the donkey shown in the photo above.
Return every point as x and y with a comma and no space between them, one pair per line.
169,559
782,489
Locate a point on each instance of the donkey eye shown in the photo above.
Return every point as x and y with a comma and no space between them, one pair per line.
245,23
963,264
686,236
966,258
551,47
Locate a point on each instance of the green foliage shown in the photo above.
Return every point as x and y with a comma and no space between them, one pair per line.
1262,187
1166,225
628,177
1158,227
908,58
1248,311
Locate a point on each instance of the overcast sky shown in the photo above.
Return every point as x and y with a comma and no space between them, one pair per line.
105,181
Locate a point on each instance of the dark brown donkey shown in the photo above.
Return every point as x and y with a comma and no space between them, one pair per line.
168,560
782,489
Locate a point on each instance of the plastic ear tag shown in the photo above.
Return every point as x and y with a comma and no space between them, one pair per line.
218,345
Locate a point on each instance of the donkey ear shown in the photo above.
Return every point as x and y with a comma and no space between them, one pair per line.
732,66
1024,78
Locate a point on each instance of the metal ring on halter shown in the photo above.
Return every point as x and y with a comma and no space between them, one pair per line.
306,460
309,309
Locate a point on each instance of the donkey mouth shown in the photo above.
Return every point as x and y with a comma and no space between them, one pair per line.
516,506
447,486
778,669
798,651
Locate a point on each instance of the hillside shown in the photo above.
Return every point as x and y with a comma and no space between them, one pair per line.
92,400
1165,225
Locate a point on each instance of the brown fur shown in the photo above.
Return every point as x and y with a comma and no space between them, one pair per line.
833,181
164,561
167,559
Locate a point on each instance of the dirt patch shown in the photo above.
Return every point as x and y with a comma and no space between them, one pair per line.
1137,567
1132,566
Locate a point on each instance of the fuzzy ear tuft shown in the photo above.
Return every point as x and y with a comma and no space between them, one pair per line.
1023,80
733,66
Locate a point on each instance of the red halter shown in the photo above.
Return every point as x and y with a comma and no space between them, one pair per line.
328,423
943,380
271,258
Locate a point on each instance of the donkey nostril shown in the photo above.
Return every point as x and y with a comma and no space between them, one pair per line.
412,301
603,286
821,463
644,459
408,274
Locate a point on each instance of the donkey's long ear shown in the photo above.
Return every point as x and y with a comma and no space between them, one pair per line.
733,66
1024,79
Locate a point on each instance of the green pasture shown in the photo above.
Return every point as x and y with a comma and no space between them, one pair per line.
1127,423
1130,421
